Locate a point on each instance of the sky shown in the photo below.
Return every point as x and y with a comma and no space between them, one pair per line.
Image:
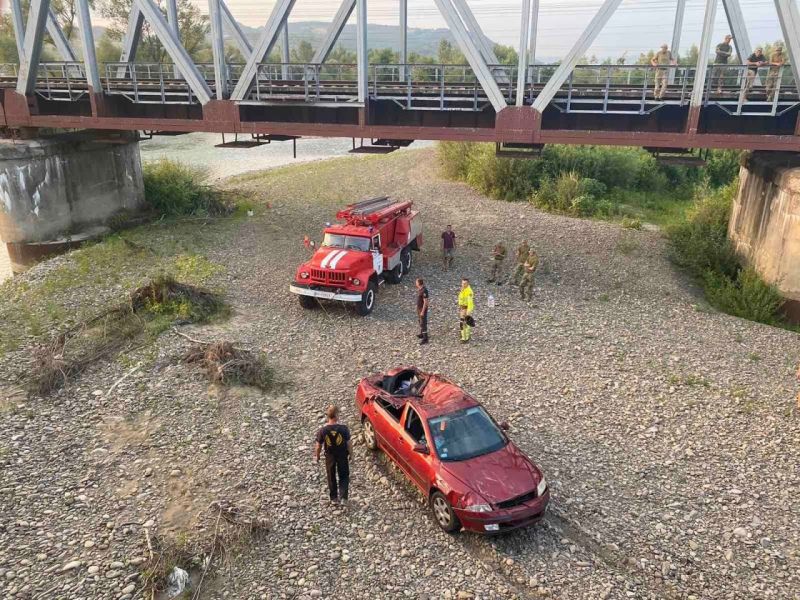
637,26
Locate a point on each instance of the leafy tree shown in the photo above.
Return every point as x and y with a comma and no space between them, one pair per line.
193,26
449,54
506,55
303,53
107,50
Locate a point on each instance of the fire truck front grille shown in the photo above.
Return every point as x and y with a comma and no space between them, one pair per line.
325,276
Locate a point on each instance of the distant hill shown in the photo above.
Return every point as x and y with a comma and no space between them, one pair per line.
422,41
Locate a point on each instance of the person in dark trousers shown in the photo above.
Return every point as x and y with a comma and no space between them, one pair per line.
338,448
422,311
448,247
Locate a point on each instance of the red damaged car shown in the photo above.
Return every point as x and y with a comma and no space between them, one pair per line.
447,444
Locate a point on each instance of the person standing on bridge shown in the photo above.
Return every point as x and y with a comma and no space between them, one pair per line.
722,53
448,247
776,60
662,60
754,61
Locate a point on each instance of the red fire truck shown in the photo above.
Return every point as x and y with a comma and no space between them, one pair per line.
373,245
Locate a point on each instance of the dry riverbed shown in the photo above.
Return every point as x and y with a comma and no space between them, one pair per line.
669,433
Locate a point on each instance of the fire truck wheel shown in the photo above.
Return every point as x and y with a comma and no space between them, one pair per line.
308,302
406,260
367,300
396,274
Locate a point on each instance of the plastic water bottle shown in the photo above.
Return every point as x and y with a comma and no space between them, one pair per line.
491,300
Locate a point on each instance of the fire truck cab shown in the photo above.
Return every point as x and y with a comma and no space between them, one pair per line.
371,246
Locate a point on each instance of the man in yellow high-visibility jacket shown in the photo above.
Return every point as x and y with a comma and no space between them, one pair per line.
466,304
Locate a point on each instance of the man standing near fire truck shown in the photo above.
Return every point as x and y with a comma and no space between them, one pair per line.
422,311
466,304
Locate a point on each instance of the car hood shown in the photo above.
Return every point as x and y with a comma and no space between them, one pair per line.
336,258
498,476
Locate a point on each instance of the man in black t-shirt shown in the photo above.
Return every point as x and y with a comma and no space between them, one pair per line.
754,61
422,311
448,247
338,448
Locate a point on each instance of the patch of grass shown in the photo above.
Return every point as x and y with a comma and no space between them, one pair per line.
163,301
631,223
754,357
174,189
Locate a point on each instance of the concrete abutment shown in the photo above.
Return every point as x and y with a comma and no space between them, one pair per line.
58,191
765,221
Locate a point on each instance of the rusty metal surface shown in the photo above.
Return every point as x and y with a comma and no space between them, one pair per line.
513,125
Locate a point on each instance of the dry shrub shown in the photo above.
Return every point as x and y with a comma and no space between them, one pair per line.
228,365
70,353
223,531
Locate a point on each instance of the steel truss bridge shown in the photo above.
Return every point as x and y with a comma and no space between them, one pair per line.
522,106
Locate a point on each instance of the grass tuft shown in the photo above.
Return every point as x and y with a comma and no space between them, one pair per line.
225,364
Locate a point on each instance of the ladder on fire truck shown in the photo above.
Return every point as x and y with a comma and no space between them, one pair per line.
374,210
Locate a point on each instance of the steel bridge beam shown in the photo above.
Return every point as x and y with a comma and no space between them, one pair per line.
172,19
362,56
236,32
475,30
269,36
580,47
677,30
19,28
789,18
133,35
176,51
32,52
59,39
403,38
218,49
733,12
285,58
87,43
522,67
534,33
472,53
334,31
701,71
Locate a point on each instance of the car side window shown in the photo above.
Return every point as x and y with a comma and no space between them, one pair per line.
376,243
414,426
394,411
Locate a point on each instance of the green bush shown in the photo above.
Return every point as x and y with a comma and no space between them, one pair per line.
629,223
174,189
700,242
748,296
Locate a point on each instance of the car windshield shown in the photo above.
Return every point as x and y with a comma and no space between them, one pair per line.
348,242
465,434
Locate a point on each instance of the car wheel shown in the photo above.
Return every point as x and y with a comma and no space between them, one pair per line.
369,435
308,302
406,258
443,513
367,302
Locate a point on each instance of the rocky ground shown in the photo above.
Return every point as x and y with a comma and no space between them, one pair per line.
669,433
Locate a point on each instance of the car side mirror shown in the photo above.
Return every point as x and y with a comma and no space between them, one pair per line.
421,449
505,426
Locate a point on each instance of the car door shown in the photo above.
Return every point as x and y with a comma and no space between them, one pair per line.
377,256
385,418
416,464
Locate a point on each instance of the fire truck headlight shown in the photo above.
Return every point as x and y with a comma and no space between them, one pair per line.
356,281
304,275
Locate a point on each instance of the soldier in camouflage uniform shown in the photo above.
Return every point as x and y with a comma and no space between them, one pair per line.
522,256
498,256
527,279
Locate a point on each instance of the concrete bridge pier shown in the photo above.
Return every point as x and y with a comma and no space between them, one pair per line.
765,221
59,191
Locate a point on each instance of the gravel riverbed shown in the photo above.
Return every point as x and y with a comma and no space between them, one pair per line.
669,433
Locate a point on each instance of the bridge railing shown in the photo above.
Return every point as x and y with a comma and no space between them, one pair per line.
62,81
743,90
148,83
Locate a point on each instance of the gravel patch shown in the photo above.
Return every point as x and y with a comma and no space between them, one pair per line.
669,433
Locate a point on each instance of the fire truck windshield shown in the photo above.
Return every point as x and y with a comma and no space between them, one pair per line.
348,242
